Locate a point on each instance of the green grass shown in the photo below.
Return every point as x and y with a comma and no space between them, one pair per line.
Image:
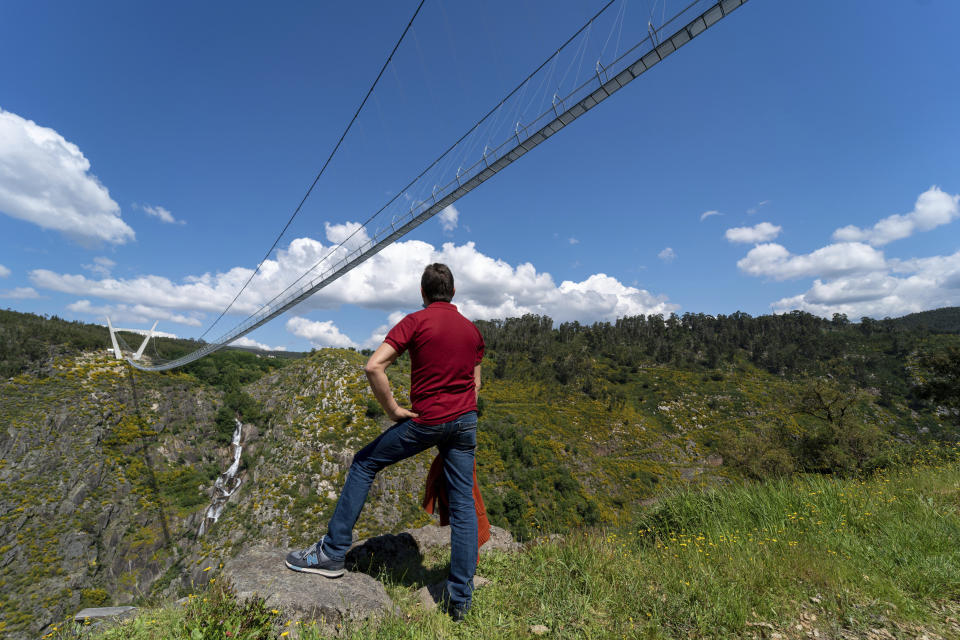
837,555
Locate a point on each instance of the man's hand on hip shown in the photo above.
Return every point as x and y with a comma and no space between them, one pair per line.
376,372
400,414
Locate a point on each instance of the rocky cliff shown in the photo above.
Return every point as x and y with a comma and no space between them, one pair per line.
101,476
106,475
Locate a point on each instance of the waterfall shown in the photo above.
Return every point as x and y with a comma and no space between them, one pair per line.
226,485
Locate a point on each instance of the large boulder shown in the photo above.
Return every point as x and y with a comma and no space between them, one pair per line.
306,597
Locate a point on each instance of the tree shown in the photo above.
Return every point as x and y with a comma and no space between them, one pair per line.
838,439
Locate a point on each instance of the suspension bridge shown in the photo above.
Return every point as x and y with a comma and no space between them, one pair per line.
517,137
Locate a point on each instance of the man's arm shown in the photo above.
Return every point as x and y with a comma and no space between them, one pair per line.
476,382
376,370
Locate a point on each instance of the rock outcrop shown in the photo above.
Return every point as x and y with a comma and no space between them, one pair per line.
306,597
260,571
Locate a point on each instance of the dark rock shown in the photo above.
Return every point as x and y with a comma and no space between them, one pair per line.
304,596
430,595
390,551
407,549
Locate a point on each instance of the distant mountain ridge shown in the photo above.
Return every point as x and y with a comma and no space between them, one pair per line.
944,320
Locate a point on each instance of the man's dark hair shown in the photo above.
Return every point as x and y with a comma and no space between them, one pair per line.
437,283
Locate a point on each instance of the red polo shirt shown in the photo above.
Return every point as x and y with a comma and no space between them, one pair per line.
444,349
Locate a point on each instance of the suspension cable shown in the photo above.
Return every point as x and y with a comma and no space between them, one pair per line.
440,157
324,168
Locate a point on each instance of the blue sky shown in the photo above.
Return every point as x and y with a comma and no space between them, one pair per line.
150,153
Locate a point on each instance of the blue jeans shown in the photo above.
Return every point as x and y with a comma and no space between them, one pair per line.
457,441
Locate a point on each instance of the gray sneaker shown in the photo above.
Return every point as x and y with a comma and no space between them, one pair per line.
314,560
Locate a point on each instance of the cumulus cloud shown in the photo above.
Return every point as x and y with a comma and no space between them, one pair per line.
854,277
377,335
143,332
101,266
667,255
246,341
763,232
774,261
140,313
707,214
932,209
47,181
351,233
20,293
160,212
908,287
486,287
573,241
4,272
320,333
449,218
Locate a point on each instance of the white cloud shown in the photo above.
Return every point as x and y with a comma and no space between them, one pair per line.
378,334
47,181
855,278
101,266
351,233
160,212
4,272
573,241
667,255
753,210
774,261
139,313
707,214
486,287
908,287
20,293
320,334
763,232
246,341
143,332
932,209
448,218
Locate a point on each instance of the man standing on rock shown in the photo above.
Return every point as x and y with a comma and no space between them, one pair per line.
445,353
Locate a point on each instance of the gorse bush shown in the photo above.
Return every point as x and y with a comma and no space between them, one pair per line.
543,493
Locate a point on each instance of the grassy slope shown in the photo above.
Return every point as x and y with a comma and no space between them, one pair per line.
842,557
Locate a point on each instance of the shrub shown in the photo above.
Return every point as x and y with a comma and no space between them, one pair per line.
94,598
